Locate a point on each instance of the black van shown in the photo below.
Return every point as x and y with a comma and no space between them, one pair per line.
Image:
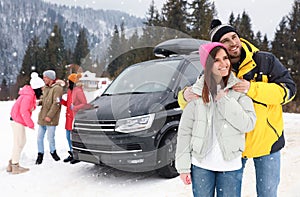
132,126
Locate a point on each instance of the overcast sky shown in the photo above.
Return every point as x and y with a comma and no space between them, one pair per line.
265,14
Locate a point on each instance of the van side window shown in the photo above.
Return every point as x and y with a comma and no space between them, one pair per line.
190,74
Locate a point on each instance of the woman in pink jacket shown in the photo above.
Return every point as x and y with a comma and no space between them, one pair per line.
21,118
75,100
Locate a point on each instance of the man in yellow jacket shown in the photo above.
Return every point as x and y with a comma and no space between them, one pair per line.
268,83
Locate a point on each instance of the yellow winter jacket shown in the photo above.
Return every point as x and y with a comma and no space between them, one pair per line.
271,86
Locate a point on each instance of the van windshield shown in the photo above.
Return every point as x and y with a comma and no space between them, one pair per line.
152,76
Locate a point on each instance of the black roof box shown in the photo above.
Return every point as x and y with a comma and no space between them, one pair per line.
179,46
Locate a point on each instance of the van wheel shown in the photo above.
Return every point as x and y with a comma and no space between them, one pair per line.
166,156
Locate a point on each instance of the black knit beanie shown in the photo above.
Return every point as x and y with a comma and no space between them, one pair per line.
217,30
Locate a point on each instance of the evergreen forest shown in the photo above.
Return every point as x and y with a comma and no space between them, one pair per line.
176,19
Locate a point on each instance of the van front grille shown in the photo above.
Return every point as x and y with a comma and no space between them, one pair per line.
100,136
91,126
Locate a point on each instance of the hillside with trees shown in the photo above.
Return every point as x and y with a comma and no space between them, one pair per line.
176,19
30,26
178,22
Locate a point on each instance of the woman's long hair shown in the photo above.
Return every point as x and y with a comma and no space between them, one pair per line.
210,85
38,93
71,85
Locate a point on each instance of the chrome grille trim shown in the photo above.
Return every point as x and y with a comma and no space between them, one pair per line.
89,129
99,151
95,125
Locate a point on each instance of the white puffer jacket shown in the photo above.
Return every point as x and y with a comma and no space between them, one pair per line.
233,116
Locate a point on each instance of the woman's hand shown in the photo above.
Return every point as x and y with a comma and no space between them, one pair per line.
221,93
186,178
188,94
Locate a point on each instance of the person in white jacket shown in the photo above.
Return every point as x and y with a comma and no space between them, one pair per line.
211,135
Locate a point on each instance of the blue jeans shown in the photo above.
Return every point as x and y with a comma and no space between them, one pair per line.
68,136
267,170
206,182
50,136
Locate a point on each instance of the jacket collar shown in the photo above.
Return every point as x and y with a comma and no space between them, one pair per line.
198,86
247,63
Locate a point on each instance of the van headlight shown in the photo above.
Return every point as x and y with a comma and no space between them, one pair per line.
134,124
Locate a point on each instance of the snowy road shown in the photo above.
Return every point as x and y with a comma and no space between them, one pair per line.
83,179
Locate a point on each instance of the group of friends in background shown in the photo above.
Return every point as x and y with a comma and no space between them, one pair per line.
47,93
232,113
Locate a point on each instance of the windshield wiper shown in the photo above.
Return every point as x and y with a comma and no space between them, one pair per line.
106,94
122,93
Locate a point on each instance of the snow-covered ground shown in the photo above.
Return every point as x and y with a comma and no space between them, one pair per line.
83,179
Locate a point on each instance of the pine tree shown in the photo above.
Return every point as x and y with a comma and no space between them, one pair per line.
153,31
232,20
69,56
244,27
292,49
32,62
293,38
82,51
202,14
55,53
279,42
152,16
113,52
286,46
174,15
265,44
123,47
4,91
261,43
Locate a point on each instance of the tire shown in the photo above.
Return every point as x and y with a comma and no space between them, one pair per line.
166,156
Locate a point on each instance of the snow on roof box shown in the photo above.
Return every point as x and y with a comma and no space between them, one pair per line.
178,46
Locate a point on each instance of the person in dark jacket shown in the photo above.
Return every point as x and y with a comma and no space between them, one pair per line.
20,118
269,84
49,115
75,100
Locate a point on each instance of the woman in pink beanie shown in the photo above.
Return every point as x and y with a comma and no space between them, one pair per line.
21,118
211,135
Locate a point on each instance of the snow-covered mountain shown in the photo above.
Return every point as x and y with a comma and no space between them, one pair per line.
21,20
